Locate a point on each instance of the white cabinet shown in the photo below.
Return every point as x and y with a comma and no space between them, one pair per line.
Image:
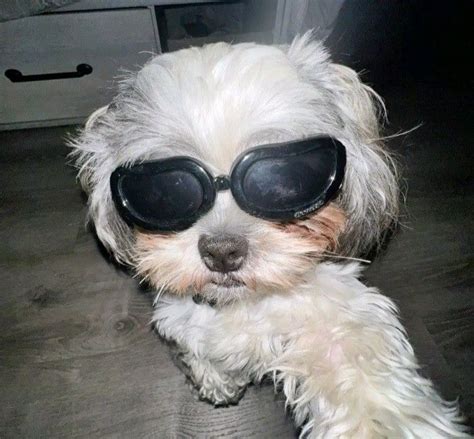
35,50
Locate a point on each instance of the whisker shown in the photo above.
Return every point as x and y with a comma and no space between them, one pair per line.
365,261
159,294
350,258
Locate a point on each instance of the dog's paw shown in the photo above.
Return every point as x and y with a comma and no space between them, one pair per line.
210,384
219,389
222,396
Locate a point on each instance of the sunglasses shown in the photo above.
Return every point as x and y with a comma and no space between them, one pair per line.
276,182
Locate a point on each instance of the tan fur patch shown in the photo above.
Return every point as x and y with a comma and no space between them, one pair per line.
150,241
321,230
280,257
159,259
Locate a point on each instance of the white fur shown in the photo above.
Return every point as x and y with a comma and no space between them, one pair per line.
334,346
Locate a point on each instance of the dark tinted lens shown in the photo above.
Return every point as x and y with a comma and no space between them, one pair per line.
166,196
289,182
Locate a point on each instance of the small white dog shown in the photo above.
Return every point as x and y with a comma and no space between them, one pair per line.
238,180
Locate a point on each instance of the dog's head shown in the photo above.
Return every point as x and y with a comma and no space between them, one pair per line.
209,106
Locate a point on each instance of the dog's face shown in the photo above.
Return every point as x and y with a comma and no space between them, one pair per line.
212,104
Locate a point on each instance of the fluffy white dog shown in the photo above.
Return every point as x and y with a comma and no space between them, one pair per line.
247,292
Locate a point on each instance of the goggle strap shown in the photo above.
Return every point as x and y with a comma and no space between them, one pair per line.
221,183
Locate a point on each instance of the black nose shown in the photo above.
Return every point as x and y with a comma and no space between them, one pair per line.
223,253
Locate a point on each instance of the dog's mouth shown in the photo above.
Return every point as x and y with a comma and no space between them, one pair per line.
221,289
227,282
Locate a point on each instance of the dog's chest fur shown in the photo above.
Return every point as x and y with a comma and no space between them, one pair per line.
256,337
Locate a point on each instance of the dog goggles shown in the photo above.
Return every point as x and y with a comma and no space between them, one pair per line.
275,182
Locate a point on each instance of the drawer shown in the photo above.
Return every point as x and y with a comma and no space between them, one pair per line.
107,41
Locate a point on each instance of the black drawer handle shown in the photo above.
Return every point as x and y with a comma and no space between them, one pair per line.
16,76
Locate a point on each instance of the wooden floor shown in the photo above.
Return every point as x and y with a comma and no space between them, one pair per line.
78,358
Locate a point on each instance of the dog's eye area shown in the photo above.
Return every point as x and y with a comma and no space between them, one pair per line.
164,196
291,181
274,182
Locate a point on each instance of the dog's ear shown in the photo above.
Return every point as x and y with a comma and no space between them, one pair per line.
370,194
94,155
86,146
371,187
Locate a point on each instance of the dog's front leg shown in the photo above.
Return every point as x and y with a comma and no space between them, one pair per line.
187,327
354,375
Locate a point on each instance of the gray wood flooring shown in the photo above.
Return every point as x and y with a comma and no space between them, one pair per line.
78,358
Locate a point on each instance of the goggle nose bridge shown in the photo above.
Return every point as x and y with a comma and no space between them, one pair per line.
221,183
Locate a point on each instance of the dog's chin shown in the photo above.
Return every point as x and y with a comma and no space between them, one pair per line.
224,289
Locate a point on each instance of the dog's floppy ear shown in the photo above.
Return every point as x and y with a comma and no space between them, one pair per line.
94,155
370,192
80,152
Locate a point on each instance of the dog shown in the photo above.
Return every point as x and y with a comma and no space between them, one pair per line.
242,182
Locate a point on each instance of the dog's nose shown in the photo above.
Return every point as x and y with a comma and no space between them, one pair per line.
223,253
